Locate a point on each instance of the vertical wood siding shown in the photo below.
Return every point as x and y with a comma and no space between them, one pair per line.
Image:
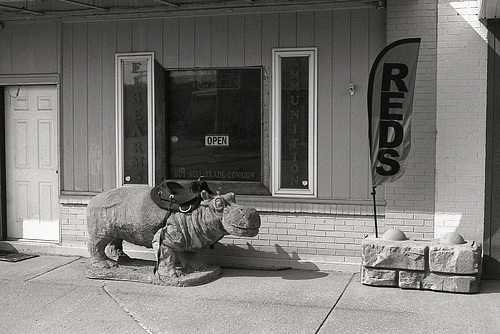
29,48
340,104
80,109
347,41
323,22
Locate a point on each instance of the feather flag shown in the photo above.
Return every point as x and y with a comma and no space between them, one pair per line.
390,101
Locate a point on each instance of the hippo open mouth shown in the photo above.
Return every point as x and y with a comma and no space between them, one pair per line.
247,225
238,220
245,231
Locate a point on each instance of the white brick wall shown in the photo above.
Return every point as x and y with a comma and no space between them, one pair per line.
309,241
443,188
73,225
410,200
461,120
301,241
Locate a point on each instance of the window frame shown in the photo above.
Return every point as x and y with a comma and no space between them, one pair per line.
250,188
119,106
277,55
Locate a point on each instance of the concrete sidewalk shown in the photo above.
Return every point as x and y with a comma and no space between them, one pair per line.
50,294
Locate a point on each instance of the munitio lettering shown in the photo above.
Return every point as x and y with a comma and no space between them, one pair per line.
295,117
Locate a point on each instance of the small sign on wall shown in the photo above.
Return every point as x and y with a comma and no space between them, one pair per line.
216,140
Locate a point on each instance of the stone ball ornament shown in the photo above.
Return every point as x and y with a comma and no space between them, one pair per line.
452,238
394,235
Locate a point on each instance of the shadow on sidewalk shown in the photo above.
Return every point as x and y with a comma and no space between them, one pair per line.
489,287
286,274
256,263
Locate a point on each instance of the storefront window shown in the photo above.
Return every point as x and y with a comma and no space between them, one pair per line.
214,119
294,120
183,124
135,146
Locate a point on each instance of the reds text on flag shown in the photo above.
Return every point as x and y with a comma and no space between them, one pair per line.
390,101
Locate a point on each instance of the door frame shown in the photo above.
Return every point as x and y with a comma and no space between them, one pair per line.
491,246
23,80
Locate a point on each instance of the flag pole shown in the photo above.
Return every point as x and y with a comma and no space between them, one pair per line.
389,127
374,192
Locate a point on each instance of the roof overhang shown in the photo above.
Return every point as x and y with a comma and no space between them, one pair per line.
69,10
489,9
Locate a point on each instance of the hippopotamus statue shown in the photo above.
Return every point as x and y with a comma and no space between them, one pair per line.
129,214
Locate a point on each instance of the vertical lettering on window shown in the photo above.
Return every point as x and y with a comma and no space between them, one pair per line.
294,122
135,122
294,117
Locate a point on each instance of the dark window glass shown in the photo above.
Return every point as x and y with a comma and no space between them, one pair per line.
135,122
294,122
214,119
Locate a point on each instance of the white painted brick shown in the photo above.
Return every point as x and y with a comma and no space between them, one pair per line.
287,237
307,239
335,234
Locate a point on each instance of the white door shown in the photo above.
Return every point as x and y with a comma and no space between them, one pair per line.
31,162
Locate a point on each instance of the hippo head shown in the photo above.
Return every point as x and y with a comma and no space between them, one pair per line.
236,219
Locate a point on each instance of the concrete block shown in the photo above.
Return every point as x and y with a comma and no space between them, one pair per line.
449,264
406,255
442,282
438,282
379,277
455,259
411,279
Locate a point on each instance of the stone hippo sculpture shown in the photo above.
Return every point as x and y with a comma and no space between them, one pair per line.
129,214
184,235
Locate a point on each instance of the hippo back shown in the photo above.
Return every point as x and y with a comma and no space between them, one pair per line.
126,213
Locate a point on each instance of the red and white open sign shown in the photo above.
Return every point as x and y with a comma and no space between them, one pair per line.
216,140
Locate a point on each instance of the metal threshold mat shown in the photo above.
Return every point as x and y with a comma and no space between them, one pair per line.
15,257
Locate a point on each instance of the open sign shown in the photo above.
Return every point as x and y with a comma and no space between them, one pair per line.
217,140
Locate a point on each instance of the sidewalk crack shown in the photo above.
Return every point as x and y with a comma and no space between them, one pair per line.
50,270
123,307
335,304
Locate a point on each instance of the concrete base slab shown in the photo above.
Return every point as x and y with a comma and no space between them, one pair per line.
136,270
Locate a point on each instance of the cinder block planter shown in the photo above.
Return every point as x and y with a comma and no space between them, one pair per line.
446,264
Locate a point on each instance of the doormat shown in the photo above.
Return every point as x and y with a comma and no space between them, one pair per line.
15,257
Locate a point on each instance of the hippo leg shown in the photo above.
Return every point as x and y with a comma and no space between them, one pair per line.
167,264
192,262
165,257
115,251
98,256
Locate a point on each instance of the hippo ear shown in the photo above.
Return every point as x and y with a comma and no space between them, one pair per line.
205,195
230,197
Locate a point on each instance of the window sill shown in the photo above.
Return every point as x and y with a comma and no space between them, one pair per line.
312,206
270,204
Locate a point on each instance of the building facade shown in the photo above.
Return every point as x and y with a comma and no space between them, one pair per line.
65,63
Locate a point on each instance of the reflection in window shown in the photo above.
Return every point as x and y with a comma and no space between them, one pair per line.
214,118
